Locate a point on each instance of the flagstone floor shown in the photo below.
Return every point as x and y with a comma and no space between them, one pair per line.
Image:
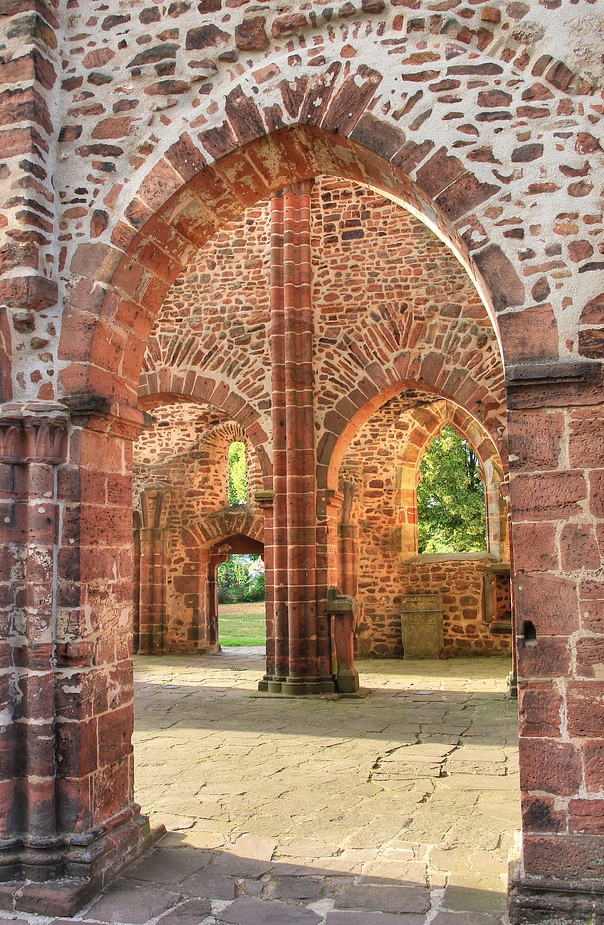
397,809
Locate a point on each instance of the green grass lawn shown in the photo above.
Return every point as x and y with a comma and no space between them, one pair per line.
241,624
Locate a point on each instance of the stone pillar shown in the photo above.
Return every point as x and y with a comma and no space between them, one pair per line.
348,536
300,662
33,443
329,506
136,596
406,492
496,516
152,573
68,816
210,644
556,434
265,501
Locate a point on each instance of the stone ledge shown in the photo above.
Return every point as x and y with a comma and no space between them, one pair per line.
554,383
534,901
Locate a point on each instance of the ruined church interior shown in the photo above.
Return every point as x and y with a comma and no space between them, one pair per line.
328,235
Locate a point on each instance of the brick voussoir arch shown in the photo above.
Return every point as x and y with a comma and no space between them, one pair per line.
428,422
138,276
351,413
433,420
183,200
221,525
162,386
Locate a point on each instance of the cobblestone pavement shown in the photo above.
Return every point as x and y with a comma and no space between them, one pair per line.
397,809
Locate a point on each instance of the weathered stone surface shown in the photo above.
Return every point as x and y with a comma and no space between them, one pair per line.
338,88
258,912
384,899
169,865
128,902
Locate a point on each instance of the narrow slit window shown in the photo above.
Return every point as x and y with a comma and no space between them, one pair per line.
237,473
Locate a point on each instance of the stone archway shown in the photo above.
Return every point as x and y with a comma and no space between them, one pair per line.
237,544
181,496
286,115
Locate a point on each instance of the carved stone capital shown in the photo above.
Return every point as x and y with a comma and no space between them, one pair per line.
35,432
153,506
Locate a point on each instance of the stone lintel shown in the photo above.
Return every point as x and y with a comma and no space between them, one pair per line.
554,383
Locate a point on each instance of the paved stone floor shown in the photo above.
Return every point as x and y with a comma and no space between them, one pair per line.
397,809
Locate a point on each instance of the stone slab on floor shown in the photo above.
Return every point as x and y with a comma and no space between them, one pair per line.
168,865
128,902
259,912
465,918
298,888
338,917
370,898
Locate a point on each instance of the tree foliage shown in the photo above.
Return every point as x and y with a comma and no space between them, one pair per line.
240,579
450,497
237,473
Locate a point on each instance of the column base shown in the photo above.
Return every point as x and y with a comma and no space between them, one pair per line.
537,901
60,875
347,681
297,687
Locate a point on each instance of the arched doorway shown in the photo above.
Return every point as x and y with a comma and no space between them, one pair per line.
220,553
117,284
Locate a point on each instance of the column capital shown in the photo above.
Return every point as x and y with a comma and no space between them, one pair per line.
153,509
264,498
300,188
33,432
97,412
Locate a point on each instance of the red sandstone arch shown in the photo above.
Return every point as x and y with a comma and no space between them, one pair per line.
233,521
187,385
336,441
464,423
428,423
493,470
219,438
104,335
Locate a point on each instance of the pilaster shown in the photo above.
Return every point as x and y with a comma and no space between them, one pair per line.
152,571
69,820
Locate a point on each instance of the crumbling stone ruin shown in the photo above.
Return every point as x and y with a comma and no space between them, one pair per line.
325,231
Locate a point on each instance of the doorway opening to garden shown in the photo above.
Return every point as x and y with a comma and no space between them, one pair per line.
240,594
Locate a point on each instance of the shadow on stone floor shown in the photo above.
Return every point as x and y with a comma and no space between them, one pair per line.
318,810
189,886
197,705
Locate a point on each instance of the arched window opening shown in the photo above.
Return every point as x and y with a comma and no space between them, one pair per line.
450,497
240,585
237,473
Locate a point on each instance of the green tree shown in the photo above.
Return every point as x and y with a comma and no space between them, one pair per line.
240,579
237,473
450,497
